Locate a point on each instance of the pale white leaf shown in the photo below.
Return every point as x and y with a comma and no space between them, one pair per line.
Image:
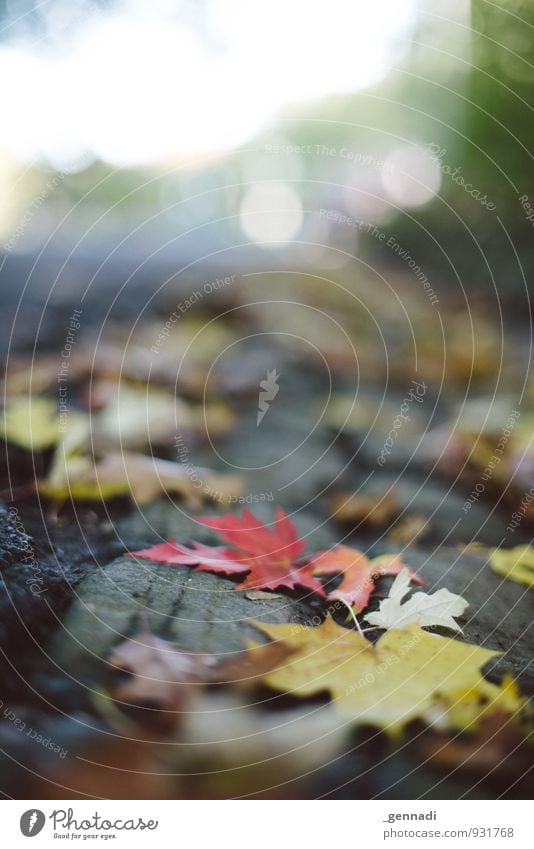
424,609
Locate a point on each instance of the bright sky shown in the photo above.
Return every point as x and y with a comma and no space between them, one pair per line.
147,81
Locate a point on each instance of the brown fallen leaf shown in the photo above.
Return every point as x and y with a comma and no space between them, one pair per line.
142,477
33,375
486,752
409,529
106,766
160,675
164,677
373,510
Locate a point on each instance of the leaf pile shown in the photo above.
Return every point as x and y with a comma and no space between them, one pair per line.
101,454
407,674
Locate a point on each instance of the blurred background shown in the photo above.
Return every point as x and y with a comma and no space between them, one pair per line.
219,133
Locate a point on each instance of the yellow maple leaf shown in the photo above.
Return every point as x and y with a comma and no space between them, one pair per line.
404,676
517,563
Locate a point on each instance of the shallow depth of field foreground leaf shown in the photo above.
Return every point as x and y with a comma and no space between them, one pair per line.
422,609
163,674
406,675
517,564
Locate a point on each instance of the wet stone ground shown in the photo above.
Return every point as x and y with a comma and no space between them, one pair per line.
68,593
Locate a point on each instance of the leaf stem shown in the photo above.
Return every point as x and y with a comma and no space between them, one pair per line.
353,615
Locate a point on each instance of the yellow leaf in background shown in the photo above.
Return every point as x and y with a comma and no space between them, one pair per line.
136,416
405,675
370,414
30,422
75,473
73,442
143,478
184,353
214,417
517,563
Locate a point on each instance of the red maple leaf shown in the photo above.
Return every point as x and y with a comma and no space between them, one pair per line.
268,554
358,572
207,558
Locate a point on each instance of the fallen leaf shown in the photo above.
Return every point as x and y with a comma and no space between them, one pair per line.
488,751
71,449
358,572
402,677
372,416
162,675
423,609
142,477
184,353
468,707
94,761
135,416
252,536
373,510
269,554
517,563
487,440
22,376
207,558
32,422
248,751
408,530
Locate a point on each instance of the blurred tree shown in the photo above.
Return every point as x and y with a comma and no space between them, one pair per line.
492,150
